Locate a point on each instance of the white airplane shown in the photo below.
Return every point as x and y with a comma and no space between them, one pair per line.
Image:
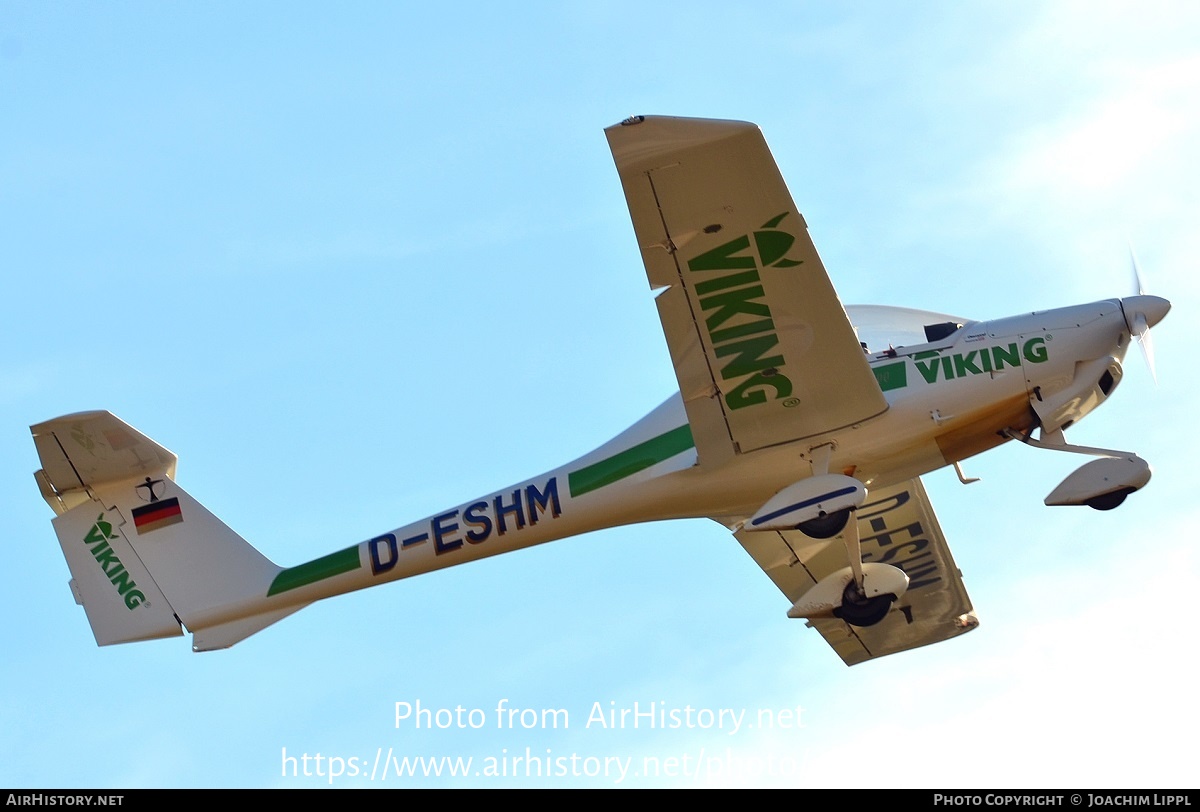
804,442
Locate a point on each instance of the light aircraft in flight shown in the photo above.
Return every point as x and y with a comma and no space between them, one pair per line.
806,443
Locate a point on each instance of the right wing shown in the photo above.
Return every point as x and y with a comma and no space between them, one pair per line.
761,345
896,527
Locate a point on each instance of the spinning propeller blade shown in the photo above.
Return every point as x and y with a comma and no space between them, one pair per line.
1143,312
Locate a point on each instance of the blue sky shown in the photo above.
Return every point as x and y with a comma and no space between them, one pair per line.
356,265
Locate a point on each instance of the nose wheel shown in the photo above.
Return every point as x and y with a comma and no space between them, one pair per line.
1109,500
1102,483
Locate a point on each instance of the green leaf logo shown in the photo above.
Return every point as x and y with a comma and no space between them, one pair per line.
773,245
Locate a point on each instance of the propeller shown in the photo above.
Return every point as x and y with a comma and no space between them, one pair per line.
1143,312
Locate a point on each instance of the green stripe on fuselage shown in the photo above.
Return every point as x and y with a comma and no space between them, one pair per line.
630,461
891,376
316,570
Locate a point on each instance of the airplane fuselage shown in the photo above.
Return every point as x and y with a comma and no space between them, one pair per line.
947,400
786,430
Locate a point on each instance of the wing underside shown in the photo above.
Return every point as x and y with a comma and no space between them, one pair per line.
898,527
761,344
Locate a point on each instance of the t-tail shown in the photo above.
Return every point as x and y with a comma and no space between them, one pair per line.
146,559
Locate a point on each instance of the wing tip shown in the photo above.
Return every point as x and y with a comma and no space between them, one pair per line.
640,140
46,426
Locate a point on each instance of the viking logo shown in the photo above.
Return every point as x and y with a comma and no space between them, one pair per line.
737,317
99,535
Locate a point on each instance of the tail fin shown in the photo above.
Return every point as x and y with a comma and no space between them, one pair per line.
145,557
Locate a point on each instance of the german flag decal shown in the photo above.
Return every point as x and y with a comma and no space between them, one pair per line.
157,515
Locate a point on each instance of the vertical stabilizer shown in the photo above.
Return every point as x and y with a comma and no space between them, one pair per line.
144,555
123,603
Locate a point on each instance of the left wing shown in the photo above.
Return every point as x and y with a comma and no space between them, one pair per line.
898,527
760,342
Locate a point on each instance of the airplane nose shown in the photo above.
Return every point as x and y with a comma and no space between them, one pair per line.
1152,309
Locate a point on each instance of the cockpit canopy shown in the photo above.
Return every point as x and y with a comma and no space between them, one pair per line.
881,328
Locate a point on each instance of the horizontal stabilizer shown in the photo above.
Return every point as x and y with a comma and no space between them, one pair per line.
145,556
89,449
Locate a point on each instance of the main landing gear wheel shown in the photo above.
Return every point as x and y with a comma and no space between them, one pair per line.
825,526
859,610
